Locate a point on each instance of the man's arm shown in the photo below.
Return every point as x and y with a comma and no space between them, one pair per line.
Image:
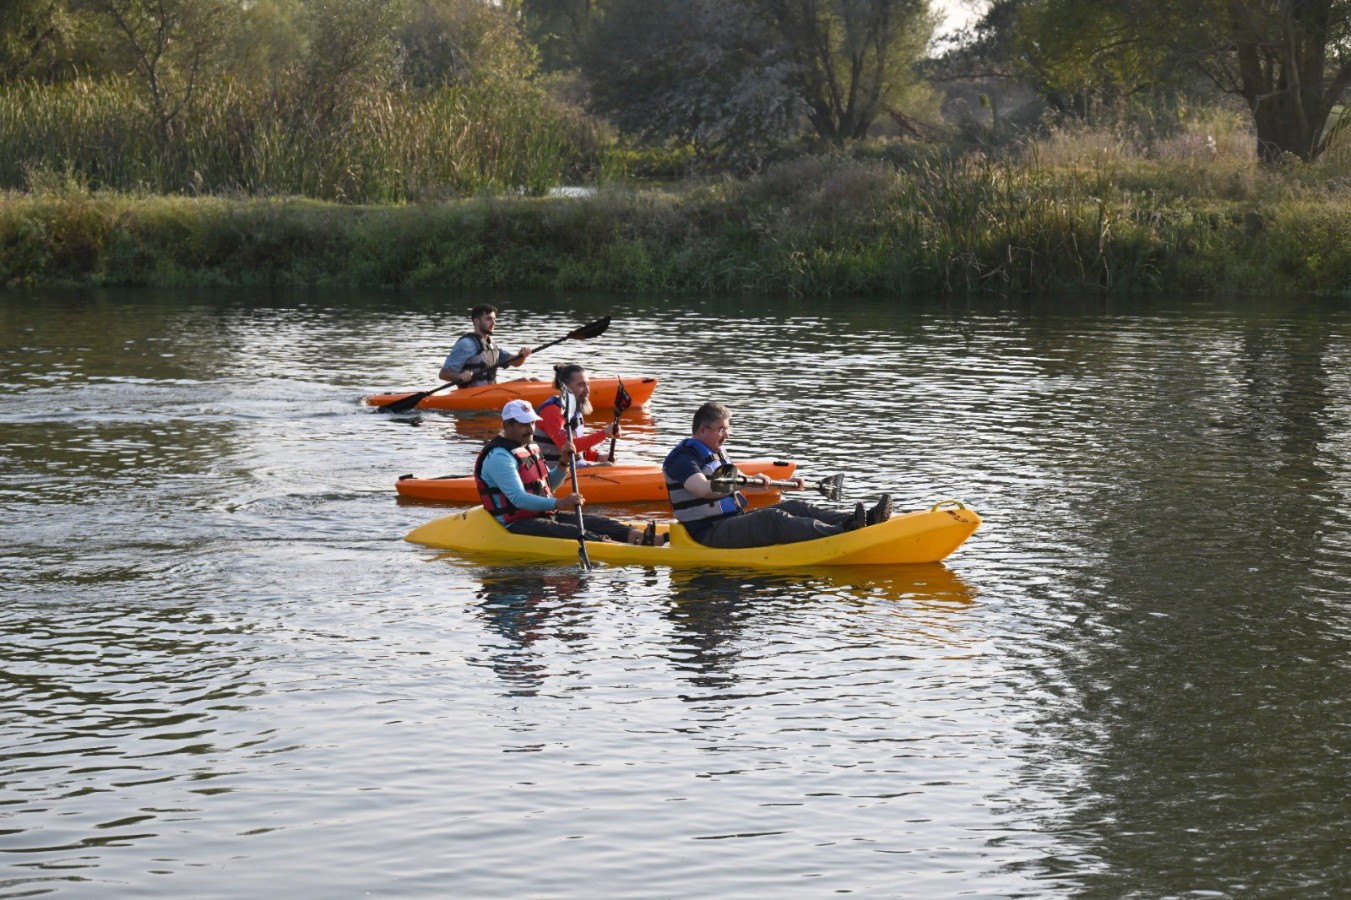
505,359
453,368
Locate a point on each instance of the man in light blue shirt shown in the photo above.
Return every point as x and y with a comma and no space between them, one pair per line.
475,358
516,485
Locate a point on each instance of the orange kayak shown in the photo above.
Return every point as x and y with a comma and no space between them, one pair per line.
495,396
599,484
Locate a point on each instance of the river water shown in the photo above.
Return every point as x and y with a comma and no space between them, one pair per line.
225,675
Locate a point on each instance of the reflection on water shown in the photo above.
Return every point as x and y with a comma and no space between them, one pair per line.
526,607
224,666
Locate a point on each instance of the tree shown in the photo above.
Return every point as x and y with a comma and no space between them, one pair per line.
1289,60
459,42
43,39
169,45
851,57
351,51
689,70
740,76
559,29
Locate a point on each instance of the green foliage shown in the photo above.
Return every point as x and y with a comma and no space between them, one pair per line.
393,146
738,79
1077,211
450,42
559,29
1288,62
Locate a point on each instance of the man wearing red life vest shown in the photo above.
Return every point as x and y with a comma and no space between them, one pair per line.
516,484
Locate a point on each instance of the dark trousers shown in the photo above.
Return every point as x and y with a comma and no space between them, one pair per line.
560,527
783,523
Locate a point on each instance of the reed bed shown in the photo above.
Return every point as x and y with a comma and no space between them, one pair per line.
1065,214
388,147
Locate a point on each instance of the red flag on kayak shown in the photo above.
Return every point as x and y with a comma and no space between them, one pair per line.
622,399
622,402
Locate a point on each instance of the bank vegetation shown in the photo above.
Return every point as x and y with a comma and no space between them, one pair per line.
762,146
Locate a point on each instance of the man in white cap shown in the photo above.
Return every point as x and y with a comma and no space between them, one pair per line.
517,485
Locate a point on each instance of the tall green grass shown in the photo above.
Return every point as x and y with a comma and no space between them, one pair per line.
1071,212
389,147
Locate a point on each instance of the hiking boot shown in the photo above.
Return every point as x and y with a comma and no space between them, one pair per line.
859,519
881,512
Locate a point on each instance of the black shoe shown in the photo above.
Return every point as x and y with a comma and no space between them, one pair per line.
650,534
859,519
881,512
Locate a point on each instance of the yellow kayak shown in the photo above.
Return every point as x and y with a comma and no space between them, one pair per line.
925,536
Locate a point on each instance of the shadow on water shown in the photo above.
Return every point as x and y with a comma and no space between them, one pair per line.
1188,732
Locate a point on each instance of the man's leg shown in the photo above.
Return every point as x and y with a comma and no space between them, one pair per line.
770,525
542,526
810,511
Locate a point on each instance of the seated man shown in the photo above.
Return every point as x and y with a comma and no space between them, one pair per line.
475,358
721,520
554,434
516,485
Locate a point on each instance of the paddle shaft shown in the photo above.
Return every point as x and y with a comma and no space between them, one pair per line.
829,487
569,407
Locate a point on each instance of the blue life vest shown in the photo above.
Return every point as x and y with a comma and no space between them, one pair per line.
686,506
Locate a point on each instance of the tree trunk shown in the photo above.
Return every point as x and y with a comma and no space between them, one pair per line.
1283,74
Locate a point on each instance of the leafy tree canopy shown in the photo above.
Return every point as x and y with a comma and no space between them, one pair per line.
1289,60
738,76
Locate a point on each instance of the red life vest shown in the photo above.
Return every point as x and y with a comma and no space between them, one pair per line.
534,475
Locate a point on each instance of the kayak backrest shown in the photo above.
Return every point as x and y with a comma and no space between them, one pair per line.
680,537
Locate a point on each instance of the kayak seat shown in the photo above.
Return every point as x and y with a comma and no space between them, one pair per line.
680,537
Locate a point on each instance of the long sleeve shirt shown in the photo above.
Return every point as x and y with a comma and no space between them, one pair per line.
500,471
556,428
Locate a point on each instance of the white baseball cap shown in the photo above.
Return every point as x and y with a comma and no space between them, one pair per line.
519,411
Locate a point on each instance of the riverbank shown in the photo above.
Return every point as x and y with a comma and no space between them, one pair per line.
815,226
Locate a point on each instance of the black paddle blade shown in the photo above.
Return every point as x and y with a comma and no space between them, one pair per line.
832,487
403,404
590,330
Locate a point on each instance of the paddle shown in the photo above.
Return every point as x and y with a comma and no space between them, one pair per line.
569,409
622,402
581,333
726,479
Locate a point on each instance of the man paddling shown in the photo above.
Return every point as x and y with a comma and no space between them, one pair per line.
717,519
475,358
517,486
554,433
